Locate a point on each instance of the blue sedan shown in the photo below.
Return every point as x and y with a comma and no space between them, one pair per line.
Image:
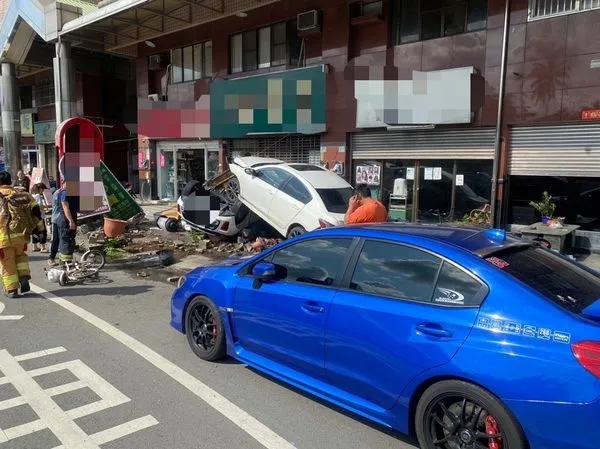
463,338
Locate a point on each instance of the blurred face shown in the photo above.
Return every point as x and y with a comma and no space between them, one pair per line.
20,174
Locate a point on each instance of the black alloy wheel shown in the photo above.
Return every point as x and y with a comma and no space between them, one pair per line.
204,330
459,415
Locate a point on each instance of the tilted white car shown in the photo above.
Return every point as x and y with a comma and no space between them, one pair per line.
292,198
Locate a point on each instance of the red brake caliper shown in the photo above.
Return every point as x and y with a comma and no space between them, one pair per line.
491,428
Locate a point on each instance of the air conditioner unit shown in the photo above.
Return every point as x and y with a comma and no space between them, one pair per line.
157,62
308,21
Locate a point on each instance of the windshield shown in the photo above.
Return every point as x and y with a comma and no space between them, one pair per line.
336,200
554,277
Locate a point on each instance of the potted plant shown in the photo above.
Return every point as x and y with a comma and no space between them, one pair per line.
545,207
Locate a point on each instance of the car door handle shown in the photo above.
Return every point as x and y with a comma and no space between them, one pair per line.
313,307
435,330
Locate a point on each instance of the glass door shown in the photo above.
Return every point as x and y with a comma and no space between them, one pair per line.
167,175
436,191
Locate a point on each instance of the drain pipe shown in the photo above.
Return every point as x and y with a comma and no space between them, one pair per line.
500,117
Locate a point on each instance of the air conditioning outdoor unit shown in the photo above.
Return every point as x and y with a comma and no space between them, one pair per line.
308,21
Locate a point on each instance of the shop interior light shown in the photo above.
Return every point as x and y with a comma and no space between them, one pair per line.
241,14
150,44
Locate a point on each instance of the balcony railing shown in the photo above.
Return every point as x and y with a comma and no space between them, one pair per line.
541,9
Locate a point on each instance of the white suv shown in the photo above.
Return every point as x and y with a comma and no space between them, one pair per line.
292,198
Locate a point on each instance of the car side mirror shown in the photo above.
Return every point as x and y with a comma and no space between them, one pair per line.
251,172
265,271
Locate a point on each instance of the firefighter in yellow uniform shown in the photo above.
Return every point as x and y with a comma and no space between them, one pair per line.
20,216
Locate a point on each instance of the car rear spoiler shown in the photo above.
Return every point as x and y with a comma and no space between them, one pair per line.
490,251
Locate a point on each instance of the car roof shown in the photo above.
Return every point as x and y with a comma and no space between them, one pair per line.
254,161
479,241
321,179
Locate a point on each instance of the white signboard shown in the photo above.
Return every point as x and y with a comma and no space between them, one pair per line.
410,173
460,180
437,173
428,173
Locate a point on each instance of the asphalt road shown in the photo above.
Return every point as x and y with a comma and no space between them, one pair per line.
99,366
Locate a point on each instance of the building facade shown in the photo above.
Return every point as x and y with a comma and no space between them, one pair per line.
409,96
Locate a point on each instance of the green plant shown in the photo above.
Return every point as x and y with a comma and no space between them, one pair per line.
545,207
196,236
113,248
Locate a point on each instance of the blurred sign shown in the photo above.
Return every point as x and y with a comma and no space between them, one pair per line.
27,125
590,114
45,132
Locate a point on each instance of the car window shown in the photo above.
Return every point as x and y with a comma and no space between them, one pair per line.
457,288
561,281
336,200
296,190
315,261
396,271
274,176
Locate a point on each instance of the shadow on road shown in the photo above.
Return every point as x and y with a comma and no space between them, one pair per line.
83,291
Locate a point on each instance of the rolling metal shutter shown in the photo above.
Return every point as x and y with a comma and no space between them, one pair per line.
291,148
473,143
565,150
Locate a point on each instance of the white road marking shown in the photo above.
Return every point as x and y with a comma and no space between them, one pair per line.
123,430
8,317
257,430
51,416
38,354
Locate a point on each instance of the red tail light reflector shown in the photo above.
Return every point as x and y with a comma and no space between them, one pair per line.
325,224
225,226
587,354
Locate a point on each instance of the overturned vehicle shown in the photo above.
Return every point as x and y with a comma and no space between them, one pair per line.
290,198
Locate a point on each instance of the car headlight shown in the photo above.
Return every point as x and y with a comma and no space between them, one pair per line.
181,281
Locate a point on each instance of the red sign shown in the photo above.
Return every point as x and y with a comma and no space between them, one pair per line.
590,114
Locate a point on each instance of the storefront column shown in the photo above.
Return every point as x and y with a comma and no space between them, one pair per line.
64,83
11,118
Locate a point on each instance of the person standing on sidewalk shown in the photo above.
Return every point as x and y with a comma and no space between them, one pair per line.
64,227
364,209
22,180
20,217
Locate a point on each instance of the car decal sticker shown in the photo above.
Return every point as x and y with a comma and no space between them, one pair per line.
498,262
525,330
449,296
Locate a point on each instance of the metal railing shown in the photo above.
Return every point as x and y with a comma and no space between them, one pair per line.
541,9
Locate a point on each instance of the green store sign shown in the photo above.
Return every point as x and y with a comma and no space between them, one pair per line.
285,102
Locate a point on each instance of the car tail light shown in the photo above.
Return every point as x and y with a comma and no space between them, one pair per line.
325,224
225,226
587,354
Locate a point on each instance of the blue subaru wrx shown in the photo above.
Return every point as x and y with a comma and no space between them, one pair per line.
464,338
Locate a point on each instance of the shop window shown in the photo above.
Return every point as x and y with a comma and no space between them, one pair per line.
539,9
413,21
576,199
262,48
44,93
26,97
191,63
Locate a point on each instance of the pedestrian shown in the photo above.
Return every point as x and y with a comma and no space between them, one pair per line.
64,226
52,182
22,181
20,217
40,241
364,209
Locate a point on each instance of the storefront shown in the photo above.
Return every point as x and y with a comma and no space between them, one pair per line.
304,149
31,157
563,160
277,115
428,175
179,162
45,141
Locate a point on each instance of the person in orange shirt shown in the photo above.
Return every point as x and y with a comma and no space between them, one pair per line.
364,209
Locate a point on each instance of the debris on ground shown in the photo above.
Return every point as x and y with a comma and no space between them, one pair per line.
173,279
